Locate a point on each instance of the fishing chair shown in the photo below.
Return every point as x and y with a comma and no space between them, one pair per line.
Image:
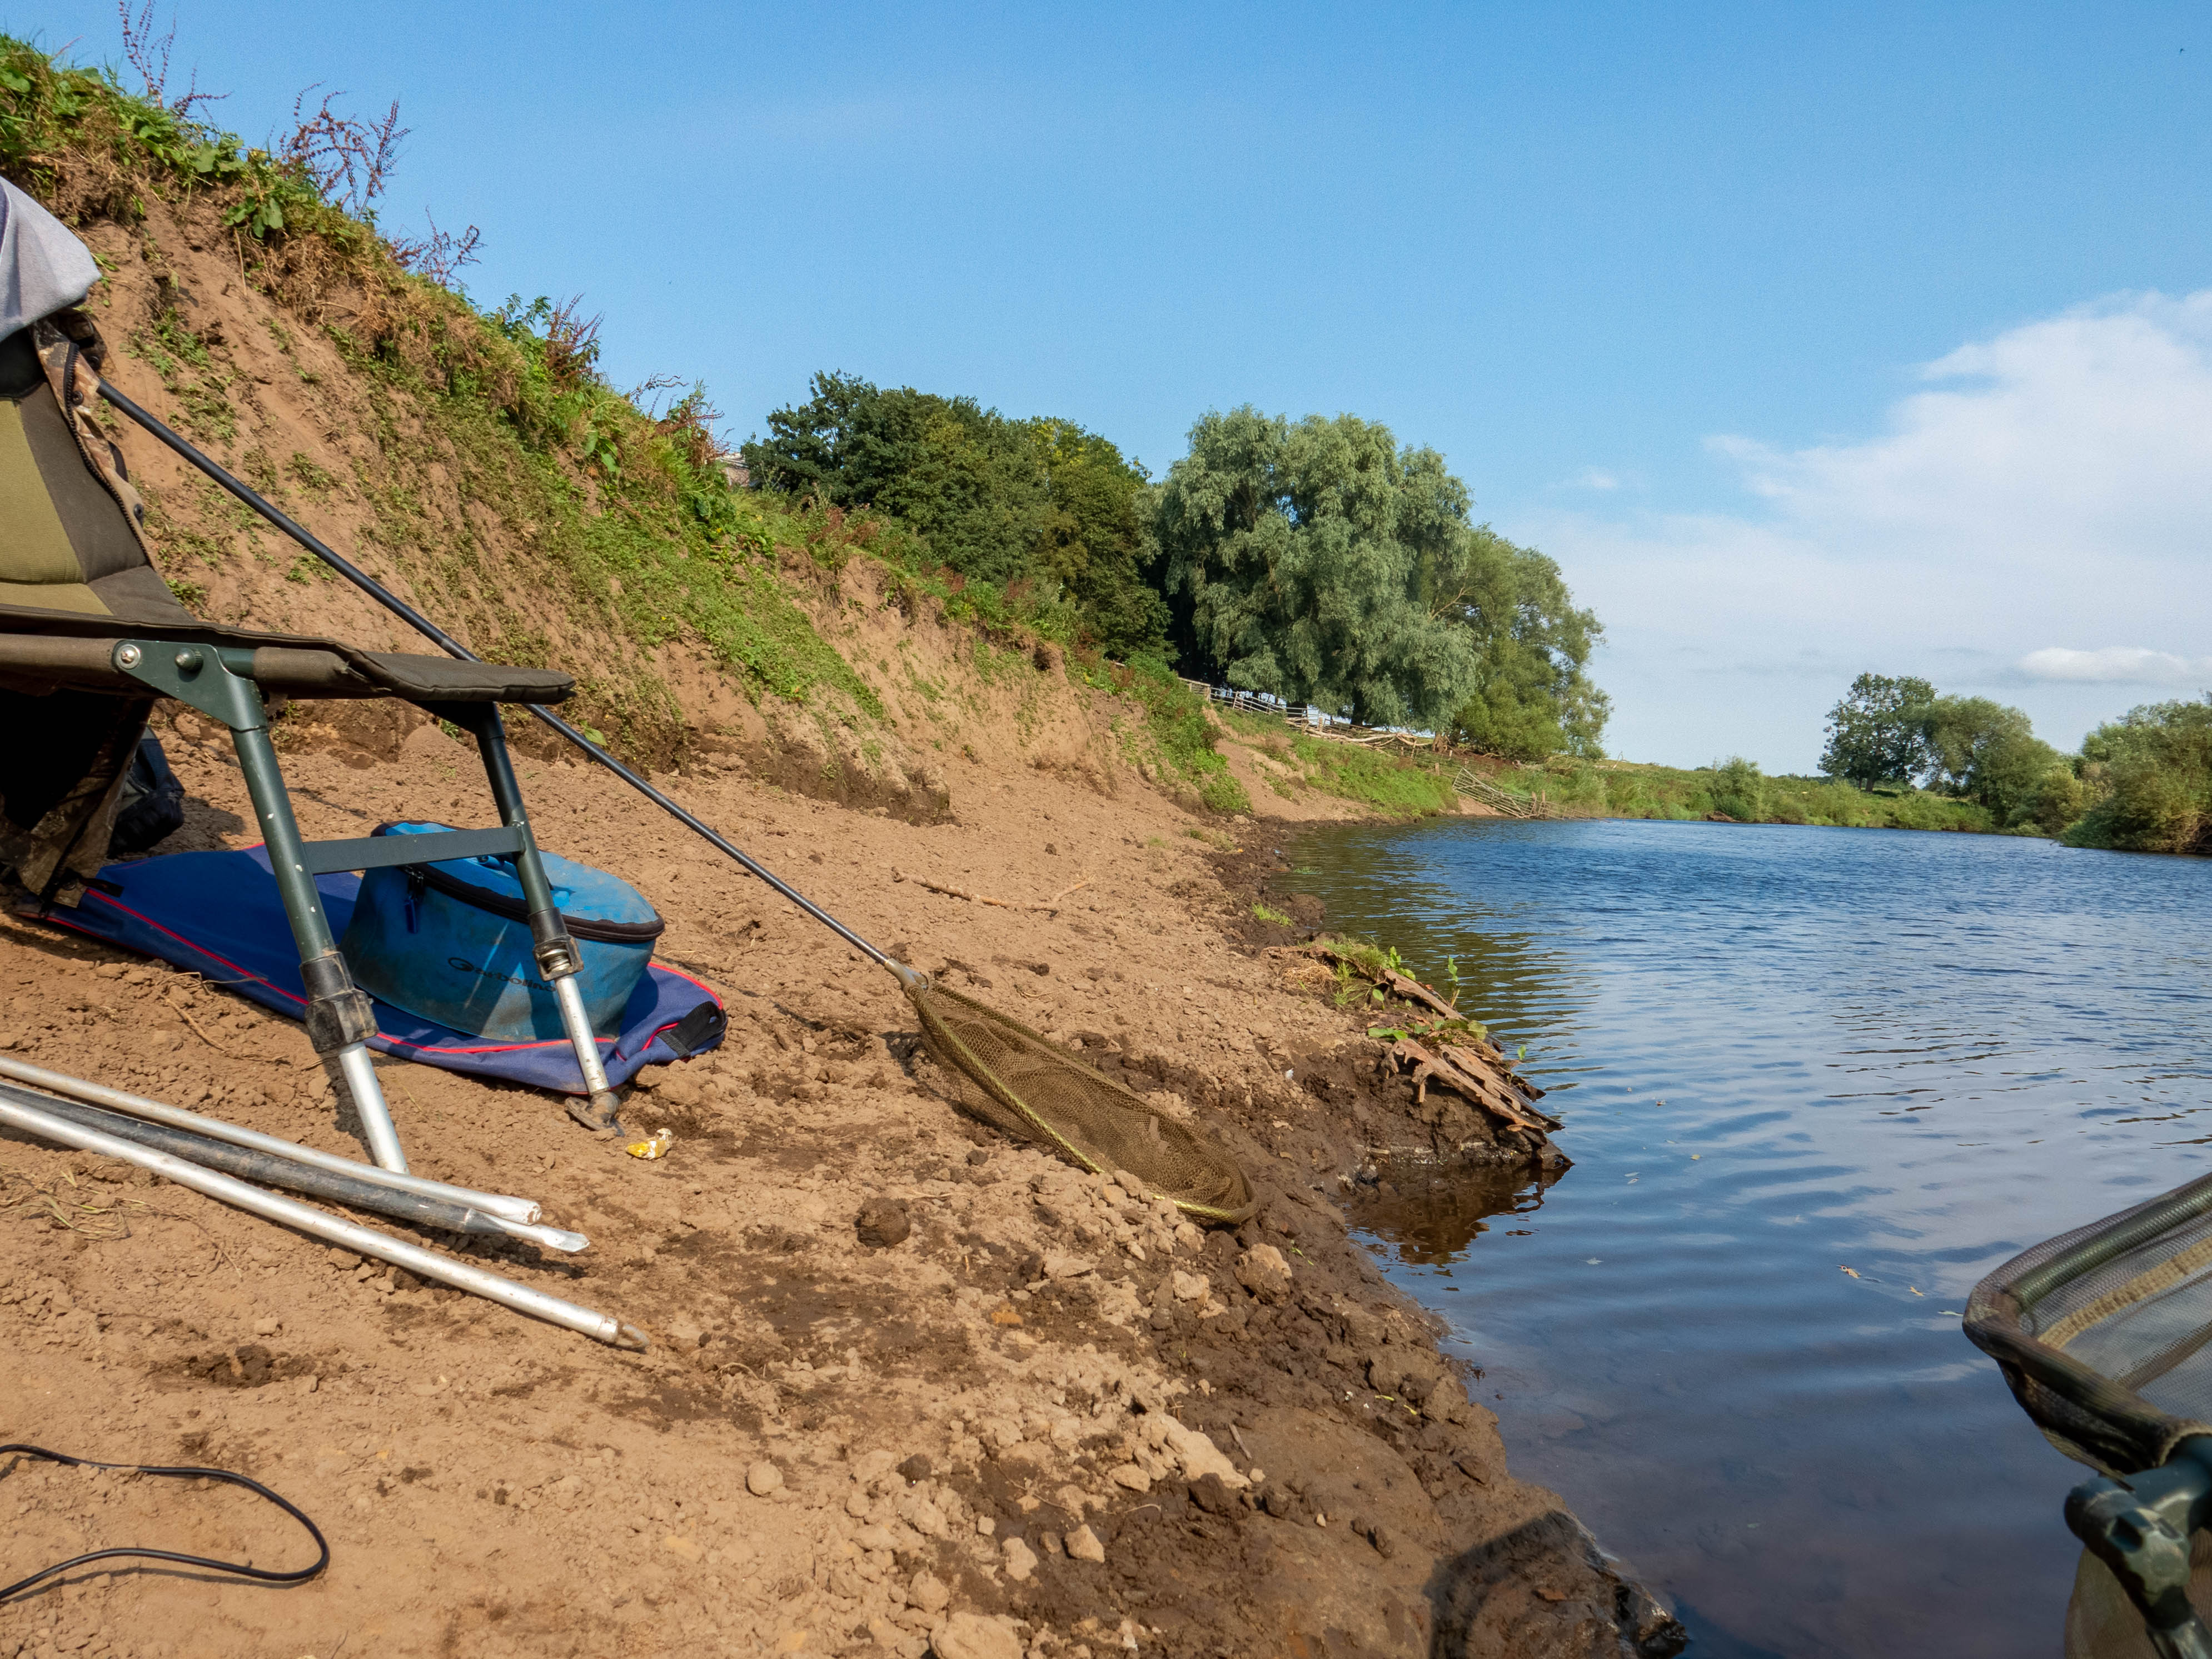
91,638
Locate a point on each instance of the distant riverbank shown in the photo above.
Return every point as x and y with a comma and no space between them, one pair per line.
1288,773
1734,790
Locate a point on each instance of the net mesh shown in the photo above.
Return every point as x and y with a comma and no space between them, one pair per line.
2105,1334
1020,1082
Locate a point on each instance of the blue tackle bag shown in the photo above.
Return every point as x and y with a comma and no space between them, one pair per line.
450,942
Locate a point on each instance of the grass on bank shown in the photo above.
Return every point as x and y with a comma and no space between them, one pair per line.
1414,786
1394,784
627,513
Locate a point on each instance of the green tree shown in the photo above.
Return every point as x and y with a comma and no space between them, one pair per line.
1874,733
1989,753
1096,538
999,500
1532,694
2151,774
1300,556
1739,789
1323,562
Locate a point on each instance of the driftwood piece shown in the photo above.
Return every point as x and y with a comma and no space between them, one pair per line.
1520,1093
1475,1068
1465,1073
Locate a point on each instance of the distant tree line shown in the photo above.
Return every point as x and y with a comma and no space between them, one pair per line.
2141,783
1319,559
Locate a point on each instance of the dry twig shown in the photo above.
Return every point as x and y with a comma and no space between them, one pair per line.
150,58
984,898
347,159
46,1199
438,255
571,343
198,1028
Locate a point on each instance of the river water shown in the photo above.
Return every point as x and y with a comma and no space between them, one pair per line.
1779,1053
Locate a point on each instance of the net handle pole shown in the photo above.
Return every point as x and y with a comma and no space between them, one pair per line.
422,624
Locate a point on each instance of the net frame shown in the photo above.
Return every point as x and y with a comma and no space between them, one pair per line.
1200,1178
2061,1321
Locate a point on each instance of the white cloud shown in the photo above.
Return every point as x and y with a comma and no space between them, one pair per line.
2049,482
2116,664
2084,436
1596,478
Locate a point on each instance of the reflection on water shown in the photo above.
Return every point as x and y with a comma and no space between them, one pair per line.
1779,1053
1428,1220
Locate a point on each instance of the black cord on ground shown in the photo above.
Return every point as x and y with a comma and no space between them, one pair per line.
263,1574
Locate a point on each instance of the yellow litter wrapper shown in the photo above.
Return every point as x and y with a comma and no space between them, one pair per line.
654,1145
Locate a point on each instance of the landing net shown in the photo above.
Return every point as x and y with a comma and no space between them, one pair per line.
2105,1334
1020,1082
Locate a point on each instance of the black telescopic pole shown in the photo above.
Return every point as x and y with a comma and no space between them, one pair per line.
446,643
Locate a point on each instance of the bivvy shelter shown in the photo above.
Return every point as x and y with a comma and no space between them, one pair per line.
91,638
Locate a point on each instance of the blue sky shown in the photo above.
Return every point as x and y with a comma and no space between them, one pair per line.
1808,339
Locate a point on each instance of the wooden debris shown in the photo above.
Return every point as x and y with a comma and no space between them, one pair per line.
1397,984
1475,1066
1469,1073
198,1030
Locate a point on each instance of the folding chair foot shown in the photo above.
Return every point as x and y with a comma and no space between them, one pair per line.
367,1096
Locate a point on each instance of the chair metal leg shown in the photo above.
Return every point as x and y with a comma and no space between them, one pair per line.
339,1017
555,950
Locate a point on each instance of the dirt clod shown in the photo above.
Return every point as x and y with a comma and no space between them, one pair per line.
882,1224
928,1592
1210,1494
976,1635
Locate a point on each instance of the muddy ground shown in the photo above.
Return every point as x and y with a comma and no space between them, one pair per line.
1048,1421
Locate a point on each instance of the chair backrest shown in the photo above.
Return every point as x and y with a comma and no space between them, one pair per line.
70,535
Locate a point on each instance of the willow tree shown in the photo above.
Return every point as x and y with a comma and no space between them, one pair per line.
1298,556
1322,562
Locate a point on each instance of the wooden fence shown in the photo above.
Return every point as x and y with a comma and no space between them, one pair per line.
1314,723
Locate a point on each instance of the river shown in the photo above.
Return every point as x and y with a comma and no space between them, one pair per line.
1780,1052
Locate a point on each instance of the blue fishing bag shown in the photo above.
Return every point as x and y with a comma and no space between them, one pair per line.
450,943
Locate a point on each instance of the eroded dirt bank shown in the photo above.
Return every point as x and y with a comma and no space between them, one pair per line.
1048,1421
